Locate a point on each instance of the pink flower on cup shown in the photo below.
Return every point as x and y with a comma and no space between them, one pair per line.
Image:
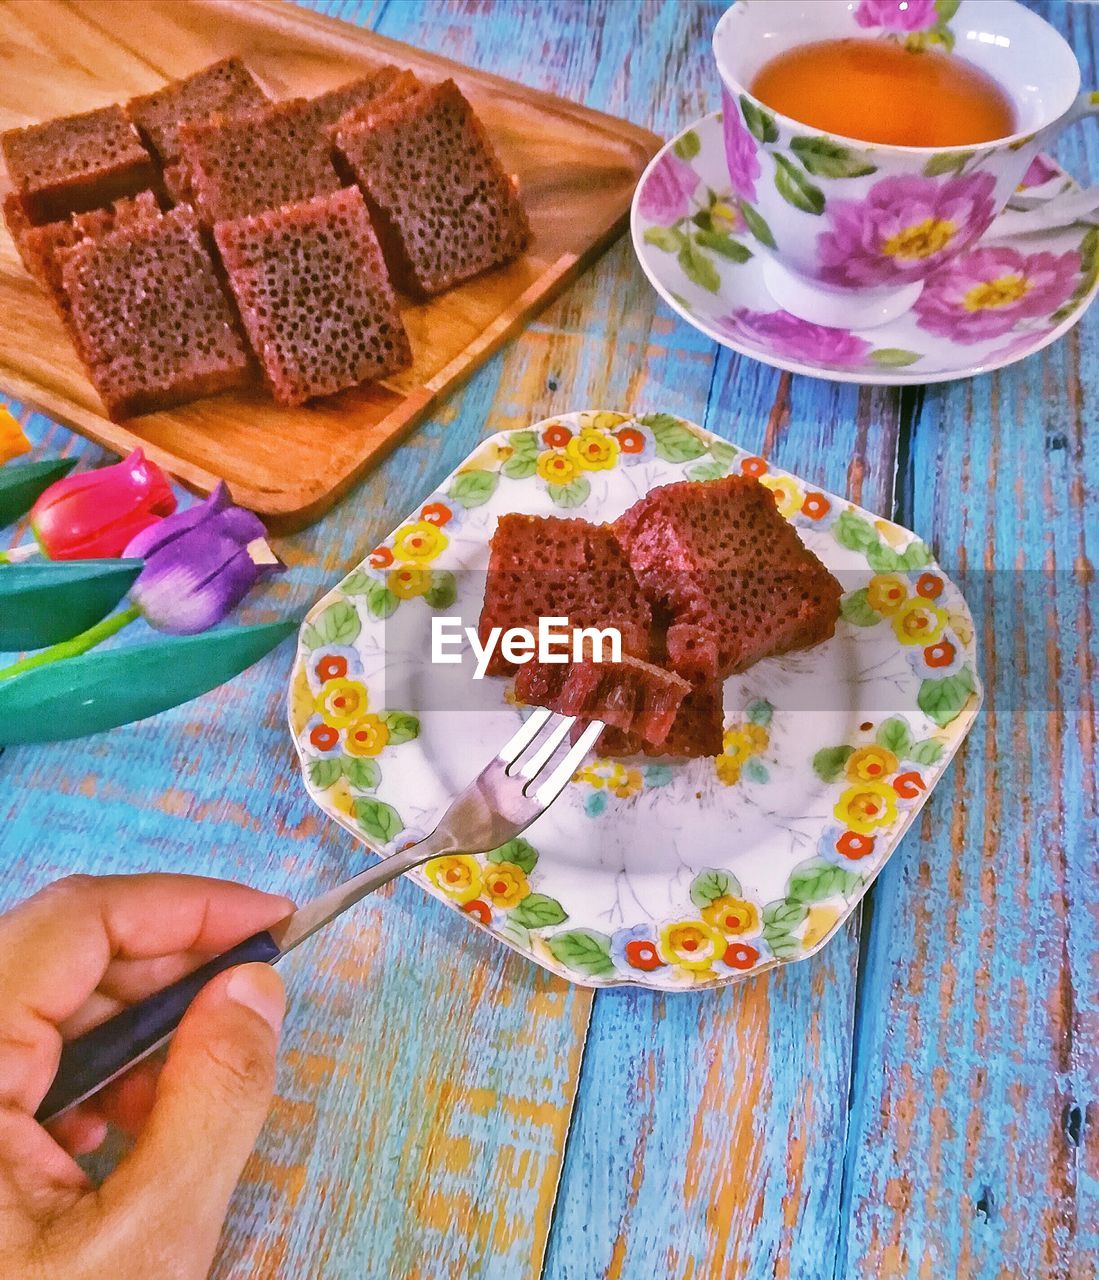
987,292
1042,170
666,195
897,15
786,335
740,150
903,229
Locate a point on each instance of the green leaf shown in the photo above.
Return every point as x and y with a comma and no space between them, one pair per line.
46,602
782,916
883,559
711,884
761,124
519,466
817,880
829,761
796,189
443,590
946,9
929,751
723,452
894,357
760,712
515,933
895,736
537,911
782,945
917,555
518,851
525,442
825,158
687,145
698,268
380,601
402,727
723,243
108,687
325,773
357,583
707,471
573,494
855,532
756,224
474,488
666,238
941,700
946,162
855,608
756,771
21,485
338,624
378,820
584,950
362,773
675,442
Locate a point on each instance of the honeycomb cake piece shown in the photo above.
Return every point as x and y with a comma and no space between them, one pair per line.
226,87
634,696
314,295
149,316
719,556
444,207
76,163
388,88
248,164
549,567
361,94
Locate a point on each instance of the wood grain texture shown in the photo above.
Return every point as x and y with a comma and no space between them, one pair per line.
577,169
922,1110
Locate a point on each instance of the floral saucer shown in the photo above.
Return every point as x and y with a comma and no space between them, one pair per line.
667,874
997,302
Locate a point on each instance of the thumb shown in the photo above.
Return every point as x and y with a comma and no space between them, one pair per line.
211,1101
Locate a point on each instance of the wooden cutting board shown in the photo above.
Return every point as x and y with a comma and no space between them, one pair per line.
577,169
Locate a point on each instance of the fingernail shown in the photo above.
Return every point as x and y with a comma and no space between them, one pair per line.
258,988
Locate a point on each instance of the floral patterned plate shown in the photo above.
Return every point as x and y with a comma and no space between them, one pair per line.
668,874
997,302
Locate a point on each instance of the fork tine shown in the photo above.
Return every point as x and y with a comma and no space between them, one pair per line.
552,741
551,788
523,736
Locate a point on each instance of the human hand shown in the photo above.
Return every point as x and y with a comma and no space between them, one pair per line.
71,956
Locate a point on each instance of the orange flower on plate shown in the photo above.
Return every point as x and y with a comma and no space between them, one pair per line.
437,513
366,737
692,944
909,785
870,764
380,558
342,702
555,467
478,910
816,506
929,585
886,592
940,654
505,883
732,916
855,846
630,440
918,621
754,467
867,806
556,435
642,954
739,955
406,583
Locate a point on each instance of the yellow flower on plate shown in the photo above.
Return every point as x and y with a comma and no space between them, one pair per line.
919,622
13,441
691,944
406,582
818,924
870,764
892,534
866,806
419,542
342,702
602,421
758,737
505,884
555,467
886,592
737,744
593,450
961,625
626,783
366,737
788,494
732,917
457,875
727,769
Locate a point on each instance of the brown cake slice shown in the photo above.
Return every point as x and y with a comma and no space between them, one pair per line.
149,316
388,88
718,555
635,697
444,207
247,164
227,87
42,249
76,163
360,94
547,567
314,296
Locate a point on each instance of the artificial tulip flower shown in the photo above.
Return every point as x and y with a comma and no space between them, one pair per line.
96,514
13,441
199,564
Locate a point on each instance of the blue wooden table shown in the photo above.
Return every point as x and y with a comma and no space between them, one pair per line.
918,1101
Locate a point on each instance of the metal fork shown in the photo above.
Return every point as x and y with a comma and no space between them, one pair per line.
520,783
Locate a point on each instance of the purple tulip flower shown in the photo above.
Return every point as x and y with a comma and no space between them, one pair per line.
199,564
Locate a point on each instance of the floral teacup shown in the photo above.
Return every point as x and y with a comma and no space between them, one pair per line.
850,229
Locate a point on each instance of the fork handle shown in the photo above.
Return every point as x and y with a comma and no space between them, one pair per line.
92,1060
